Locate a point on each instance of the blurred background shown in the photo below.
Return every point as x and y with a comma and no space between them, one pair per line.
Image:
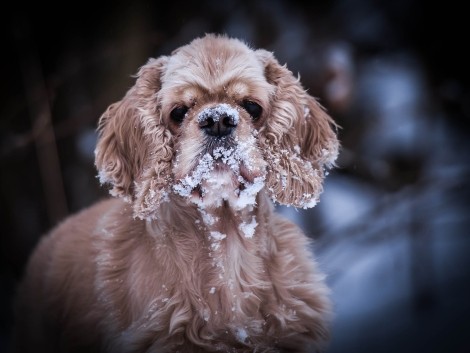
392,228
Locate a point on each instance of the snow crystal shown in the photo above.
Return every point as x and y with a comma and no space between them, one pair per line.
216,185
219,187
245,149
188,183
241,334
206,315
309,203
218,111
216,238
306,111
228,156
247,196
307,200
248,229
329,156
207,218
103,177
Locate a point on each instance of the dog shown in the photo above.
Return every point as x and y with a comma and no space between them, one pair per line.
189,255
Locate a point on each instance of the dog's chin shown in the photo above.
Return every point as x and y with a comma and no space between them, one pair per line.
214,183
223,186
224,173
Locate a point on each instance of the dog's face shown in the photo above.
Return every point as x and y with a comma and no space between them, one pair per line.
214,99
215,121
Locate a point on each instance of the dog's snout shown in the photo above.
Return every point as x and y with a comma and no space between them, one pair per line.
218,125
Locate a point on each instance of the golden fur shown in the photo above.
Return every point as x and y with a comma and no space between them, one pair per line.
188,262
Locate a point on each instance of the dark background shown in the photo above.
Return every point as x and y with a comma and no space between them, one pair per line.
391,230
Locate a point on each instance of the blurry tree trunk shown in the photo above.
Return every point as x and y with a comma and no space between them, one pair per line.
43,131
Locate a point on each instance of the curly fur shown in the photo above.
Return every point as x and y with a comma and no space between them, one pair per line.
170,266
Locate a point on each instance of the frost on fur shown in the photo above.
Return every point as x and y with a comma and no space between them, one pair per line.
248,229
213,185
215,113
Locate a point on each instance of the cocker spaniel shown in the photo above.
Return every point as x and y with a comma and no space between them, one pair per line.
190,255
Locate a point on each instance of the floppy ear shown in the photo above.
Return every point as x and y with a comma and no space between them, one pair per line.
298,139
134,150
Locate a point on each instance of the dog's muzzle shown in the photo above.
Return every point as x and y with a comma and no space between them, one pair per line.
218,121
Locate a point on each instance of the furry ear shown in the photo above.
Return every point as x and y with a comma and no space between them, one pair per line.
134,149
298,139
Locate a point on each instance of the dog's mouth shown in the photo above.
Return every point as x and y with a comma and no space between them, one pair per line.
224,171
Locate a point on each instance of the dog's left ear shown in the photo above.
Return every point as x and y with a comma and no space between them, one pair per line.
134,150
298,139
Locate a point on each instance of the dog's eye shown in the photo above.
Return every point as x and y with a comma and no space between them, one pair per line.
178,114
254,109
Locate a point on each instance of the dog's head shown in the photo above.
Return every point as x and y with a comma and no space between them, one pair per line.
215,121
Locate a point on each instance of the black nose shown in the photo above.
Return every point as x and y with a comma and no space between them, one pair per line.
218,125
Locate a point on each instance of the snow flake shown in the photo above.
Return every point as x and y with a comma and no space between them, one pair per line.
216,238
241,334
248,229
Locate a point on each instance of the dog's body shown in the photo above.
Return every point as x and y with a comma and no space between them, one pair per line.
196,259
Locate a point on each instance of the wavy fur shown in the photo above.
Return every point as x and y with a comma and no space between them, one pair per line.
195,259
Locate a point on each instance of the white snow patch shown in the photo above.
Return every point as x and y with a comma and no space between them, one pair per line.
306,111
329,156
215,189
216,238
218,111
216,186
247,197
189,182
208,218
103,177
248,229
206,315
309,201
241,334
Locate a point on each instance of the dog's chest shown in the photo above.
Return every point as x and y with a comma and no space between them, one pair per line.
181,317
211,296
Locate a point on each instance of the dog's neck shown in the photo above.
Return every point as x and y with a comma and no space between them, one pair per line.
227,245
226,233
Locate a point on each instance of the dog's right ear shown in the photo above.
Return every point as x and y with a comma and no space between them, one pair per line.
133,143
299,139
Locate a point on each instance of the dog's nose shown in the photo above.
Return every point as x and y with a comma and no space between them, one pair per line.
218,125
